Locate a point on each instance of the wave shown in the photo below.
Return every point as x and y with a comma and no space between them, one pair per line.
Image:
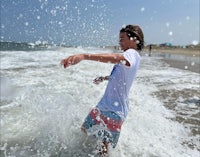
22,46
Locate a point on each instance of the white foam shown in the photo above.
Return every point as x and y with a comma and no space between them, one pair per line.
45,116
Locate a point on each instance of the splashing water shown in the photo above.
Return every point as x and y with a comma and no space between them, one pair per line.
44,106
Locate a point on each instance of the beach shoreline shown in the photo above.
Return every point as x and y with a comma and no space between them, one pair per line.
175,50
183,65
181,58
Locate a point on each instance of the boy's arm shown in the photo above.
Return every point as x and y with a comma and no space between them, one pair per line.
106,58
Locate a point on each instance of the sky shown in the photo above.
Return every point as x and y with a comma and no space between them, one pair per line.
97,22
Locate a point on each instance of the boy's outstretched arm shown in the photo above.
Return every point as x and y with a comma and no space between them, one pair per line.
106,58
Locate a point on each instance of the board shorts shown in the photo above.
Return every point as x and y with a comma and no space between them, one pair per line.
104,125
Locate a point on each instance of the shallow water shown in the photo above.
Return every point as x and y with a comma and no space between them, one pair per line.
43,106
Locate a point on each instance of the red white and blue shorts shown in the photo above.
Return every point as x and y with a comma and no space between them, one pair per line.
104,125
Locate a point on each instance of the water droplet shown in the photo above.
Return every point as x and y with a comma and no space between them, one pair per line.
98,118
26,23
193,63
142,9
167,24
170,33
195,42
116,103
124,62
187,18
186,67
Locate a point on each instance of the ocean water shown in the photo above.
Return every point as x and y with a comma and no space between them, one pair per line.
43,106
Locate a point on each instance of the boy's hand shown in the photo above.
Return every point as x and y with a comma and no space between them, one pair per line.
98,80
72,60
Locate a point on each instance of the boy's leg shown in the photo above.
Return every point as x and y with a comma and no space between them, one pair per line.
83,129
103,148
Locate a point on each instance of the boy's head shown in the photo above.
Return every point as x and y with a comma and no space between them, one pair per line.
131,36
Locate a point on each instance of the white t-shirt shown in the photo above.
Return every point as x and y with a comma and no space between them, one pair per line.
115,98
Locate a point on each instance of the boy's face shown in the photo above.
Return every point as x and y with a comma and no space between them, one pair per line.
124,41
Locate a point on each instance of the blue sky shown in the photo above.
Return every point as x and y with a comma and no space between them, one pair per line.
97,22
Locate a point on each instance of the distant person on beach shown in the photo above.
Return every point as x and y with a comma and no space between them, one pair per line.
106,119
150,47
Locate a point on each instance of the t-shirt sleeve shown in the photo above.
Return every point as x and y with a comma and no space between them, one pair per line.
131,57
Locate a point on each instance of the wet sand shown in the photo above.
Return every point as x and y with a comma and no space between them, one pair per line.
190,103
194,67
186,110
179,51
181,58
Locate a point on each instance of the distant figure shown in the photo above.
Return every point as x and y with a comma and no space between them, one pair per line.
150,47
105,120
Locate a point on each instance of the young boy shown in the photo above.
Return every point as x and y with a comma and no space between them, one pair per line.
106,119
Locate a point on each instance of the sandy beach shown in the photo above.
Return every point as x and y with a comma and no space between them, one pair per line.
182,58
173,50
183,65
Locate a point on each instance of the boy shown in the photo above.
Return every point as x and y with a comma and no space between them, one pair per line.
105,120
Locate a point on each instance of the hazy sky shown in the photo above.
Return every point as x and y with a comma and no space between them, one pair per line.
97,22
